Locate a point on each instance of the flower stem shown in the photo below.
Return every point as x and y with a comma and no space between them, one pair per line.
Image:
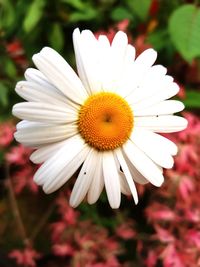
42,222
15,208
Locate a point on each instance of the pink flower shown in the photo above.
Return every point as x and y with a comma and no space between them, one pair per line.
63,250
192,214
186,187
18,155
125,231
26,257
68,214
85,243
171,258
193,236
151,259
24,179
157,212
176,220
164,235
57,229
6,134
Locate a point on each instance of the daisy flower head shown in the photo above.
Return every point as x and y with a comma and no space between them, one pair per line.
103,121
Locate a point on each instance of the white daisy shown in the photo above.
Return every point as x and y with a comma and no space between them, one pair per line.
106,120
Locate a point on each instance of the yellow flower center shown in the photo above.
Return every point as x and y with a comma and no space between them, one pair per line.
105,121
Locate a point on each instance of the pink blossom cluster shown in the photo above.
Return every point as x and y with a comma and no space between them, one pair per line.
6,134
16,157
26,257
174,209
21,169
83,242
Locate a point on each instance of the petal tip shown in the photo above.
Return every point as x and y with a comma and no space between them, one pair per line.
72,203
115,205
159,183
35,57
136,201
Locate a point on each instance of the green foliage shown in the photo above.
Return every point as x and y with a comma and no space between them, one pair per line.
34,14
184,29
83,16
121,13
3,95
140,8
10,68
192,99
158,39
56,37
77,4
7,14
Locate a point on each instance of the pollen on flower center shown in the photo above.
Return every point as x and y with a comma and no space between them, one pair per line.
105,121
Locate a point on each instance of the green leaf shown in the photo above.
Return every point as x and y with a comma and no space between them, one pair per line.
56,37
192,99
10,68
158,39
34,15
78,4
120,13
184,29
83,16
7,14
139,7
3,95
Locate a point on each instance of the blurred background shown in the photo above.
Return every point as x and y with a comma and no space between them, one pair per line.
43,230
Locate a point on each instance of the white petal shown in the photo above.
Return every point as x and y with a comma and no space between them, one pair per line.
143,163
36,76
45,152
162,124
58,170
87,59
97,183
84,179
26,124
119,50
38,135
112,59
135,74
118,55
62,177
34,92
44,112
152,81
127,174
105,62
111,179
125,189
152,147
58,71
166,91
137,176
159,141
162,108
147,58
123,86
103,42
130,55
